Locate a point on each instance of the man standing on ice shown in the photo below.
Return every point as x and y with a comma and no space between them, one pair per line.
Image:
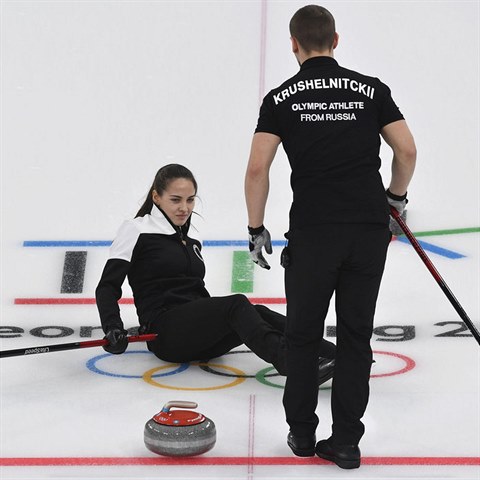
329,120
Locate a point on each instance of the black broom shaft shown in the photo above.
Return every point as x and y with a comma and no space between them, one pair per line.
71,346
441,282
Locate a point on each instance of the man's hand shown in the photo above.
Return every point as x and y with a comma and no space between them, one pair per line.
259,238
398,202
117,340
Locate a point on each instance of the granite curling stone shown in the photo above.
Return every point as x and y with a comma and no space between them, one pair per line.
179,433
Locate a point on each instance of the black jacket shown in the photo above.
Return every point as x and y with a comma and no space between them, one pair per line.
163,264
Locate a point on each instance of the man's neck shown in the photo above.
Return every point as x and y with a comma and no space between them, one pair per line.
303,56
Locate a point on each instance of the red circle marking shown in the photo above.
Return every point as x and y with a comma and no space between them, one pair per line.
409,364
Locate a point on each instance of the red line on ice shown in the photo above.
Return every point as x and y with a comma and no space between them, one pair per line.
126,301
205,460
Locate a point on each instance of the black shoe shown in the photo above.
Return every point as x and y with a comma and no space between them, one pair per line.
345,456
326,367
301,446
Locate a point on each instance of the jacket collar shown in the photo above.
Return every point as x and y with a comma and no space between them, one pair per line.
159,214
316,62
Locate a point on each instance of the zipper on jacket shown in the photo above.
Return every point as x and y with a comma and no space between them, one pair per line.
185,250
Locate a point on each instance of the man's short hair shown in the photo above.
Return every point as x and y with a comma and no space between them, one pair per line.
314,28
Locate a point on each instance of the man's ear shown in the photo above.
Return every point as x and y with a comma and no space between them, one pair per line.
335,41
295,46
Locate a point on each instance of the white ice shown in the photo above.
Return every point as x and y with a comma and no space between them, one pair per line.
96,96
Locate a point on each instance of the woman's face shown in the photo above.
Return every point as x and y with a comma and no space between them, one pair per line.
177,201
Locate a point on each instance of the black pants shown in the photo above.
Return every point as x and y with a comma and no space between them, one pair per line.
210,327
348,260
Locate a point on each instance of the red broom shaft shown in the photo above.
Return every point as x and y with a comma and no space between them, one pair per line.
441,282
71,346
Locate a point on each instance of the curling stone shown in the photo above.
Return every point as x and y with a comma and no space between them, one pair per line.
179,433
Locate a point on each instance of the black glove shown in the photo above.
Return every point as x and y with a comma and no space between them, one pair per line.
117,340
259,238
399,202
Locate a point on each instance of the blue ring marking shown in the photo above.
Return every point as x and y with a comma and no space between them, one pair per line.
433,248
91,365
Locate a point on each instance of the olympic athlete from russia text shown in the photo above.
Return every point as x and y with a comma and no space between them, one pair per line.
165,270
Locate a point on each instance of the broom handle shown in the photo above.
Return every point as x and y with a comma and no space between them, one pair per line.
436,275
71,346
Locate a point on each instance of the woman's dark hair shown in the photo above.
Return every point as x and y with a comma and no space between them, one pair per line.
162,179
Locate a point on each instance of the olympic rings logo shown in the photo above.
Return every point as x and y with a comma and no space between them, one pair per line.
263,376
148,377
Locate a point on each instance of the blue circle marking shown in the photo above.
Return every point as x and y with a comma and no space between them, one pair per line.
92,365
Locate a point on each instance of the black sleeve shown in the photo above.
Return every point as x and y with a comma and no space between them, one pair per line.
109,291
388,111
267,121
